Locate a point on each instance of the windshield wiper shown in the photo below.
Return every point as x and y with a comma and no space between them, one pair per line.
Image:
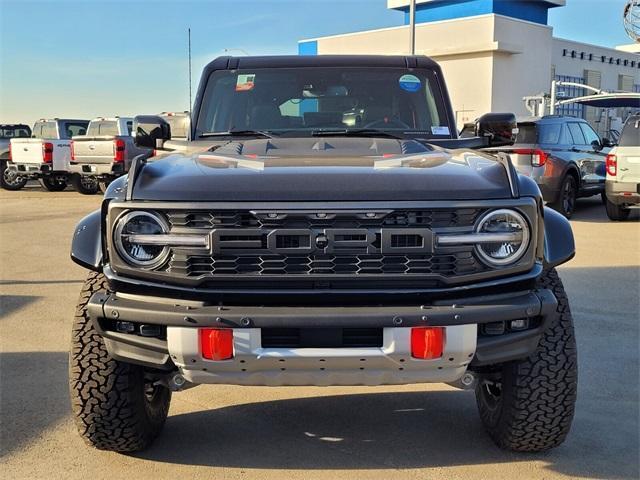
355,132
237,133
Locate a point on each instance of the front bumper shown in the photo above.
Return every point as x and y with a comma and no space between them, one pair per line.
389,364
623,193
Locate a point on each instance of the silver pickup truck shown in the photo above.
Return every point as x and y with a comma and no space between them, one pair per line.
103,154
46,155
10,180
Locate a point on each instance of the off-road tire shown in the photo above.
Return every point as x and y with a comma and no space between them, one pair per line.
53,184
530,407
16,182
114,408
85,188
616,212
567,197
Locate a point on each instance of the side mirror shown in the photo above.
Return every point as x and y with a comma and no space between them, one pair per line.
150,131
606,143
499,129
596,146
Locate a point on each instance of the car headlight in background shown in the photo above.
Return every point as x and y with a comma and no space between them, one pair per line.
504,237
501,237
133,237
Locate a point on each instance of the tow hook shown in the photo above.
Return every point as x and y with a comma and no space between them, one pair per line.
175,382
468,381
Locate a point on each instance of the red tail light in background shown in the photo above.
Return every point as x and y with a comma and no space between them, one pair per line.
427,343
118,150
538,157
9,150
47,152
612,165
73,153
216,343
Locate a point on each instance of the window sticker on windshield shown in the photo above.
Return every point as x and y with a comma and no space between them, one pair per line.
440,130
245,82
410,83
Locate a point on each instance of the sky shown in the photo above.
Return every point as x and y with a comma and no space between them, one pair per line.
90,58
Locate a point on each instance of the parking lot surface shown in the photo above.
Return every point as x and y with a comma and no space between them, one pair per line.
418,431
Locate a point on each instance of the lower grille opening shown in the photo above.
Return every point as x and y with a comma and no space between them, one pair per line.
321,337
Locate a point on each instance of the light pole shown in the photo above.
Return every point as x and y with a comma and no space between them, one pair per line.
412,27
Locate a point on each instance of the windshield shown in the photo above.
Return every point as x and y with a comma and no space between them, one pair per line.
16,131
301,101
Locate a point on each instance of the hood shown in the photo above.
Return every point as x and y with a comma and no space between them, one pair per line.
322,169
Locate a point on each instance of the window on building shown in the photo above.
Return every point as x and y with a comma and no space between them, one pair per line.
571,109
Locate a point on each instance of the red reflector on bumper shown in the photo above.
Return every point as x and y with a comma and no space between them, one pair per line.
216,343
427,343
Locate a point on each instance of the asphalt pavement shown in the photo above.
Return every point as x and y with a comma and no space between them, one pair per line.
229,432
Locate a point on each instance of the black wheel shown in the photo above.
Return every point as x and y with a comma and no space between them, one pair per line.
528,405
10,180
566,201
616,212
85,184
53,183
115,406
603,198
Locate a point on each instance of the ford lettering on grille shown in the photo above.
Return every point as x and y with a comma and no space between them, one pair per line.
390,241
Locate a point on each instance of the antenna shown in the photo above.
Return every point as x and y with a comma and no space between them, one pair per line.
412,27
190,104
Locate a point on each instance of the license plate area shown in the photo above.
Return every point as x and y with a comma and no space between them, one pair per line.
321,337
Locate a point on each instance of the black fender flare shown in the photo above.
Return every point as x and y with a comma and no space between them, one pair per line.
86,245
559,244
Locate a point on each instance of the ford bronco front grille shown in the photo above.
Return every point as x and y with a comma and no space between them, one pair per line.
198,219
323,243
462,263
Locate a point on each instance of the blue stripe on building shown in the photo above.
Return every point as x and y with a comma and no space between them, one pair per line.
530,10
308,48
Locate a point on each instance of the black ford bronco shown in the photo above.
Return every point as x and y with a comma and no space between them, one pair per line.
323,226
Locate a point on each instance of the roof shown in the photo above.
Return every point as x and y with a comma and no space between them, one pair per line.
608,100
547,117
293,61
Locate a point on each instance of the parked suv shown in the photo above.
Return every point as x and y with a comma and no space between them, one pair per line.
324,226
103,154
564,156
47,155
623,172
10,180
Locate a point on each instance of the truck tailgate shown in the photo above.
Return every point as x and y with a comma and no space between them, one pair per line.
93,150
26,150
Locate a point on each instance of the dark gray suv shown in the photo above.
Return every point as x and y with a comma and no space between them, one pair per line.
564,156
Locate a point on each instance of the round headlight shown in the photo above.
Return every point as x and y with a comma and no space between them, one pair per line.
511,233
135,251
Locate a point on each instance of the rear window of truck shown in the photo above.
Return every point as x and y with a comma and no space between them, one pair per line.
630,136
15,132
103,127
545,133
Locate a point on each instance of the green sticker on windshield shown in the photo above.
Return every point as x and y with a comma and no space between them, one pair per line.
245,82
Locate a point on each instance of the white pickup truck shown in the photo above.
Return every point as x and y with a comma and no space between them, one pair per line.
103,154
47,154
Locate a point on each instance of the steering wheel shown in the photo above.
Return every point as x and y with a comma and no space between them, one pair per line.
388,122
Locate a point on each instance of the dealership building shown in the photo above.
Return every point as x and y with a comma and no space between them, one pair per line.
495,52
